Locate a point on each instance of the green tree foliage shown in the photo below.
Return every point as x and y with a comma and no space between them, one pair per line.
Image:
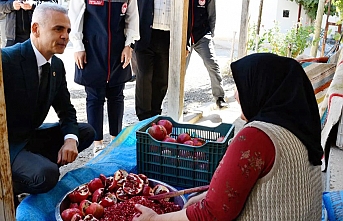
311,7
295,40
339,7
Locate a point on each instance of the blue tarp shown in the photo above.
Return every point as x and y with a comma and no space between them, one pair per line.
119,154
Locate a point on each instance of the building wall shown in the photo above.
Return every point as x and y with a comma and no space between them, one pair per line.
229,15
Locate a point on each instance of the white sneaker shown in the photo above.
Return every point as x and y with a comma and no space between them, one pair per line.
97,150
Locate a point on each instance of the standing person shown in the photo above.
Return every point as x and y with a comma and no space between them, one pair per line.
271,169
201,25
152,54
102,35
34,81
18,20
3,39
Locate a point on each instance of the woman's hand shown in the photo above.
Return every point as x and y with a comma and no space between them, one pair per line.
195,199
146,213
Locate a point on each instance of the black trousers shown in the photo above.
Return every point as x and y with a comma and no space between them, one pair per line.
152,75
35,168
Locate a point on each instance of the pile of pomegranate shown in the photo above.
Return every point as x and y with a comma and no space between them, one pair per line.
114,197
162,129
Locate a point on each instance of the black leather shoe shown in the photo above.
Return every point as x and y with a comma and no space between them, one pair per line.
221,102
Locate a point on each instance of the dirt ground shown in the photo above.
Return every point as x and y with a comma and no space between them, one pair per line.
197,95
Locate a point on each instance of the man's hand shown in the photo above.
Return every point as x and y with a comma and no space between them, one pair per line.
126,56
68,152
80,59
16,5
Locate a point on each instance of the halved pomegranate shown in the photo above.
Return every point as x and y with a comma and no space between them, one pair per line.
147,190
159,189
98,195
122,195
108,200
119,177
133,185
144,178
79,194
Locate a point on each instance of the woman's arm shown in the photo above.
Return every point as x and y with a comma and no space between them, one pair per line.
249,157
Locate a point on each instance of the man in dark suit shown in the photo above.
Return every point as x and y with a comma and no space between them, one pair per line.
31,88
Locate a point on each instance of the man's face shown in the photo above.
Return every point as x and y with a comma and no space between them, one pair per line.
52,37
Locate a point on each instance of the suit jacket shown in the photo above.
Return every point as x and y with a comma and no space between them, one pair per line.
21,82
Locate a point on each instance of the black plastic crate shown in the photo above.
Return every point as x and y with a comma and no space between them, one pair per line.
179,164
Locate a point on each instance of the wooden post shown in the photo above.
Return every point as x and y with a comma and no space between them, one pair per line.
232,49
243,33
258,27
177,58
319,18
7,212
326,30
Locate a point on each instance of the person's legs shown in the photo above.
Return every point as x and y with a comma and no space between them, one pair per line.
115,108
48,140
205,48
143,92
33,173
95,110
35,169
160,41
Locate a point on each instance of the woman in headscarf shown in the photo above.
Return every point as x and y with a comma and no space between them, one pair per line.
271,170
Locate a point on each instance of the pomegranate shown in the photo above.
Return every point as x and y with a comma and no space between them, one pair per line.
74,205
169,139
95,184
79,194
144,178
122,195
95,209
166,124
220,139
133,185
109,200
77,217
103,178
84,205
68,214
181,138
98,195
111,184
120,176
147,190
158,132
198,142
159,189
90,217
188,142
